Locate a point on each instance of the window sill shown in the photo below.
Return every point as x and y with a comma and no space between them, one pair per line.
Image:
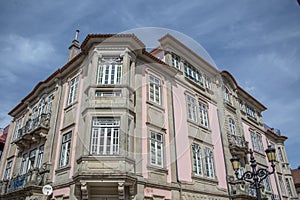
206,129
155,168
204,179
62,169
155,105
68,107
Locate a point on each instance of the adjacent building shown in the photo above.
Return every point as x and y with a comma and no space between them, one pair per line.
296,178
3,135
119,122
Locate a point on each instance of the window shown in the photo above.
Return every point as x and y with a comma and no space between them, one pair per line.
156,148
192,107
65,149
23,164
7,170
41,107
17,127
193,74
40,156
197,160
108,93
49,104
109,71
105,136
73,90
257,142
175,61
226,95
209,163
250,112
207,82
288,186
280,154
31,159
282,186
268,185
232,126
203,114
154,90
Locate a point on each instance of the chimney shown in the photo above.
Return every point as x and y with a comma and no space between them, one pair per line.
74,48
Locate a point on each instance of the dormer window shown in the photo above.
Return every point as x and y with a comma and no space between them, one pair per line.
250,112
193,74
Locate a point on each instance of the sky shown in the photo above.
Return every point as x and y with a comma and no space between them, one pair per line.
257,41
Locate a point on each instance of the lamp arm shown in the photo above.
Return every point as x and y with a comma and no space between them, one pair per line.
263,173
247,176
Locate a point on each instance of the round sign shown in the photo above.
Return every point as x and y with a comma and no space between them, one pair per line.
47,190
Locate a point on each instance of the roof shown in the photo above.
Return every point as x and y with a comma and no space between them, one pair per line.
4,135
296,175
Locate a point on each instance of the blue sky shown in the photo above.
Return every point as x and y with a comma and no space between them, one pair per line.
257,41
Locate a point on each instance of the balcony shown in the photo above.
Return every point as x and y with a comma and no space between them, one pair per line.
34,178
237,144
33,131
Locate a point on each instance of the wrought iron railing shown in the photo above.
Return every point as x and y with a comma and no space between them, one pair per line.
32,124
17,183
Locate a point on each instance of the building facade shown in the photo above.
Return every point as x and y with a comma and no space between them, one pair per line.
119,122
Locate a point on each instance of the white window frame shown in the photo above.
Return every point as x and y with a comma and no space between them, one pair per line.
40,156
17,127
109,72
73,90
280,154
192,108
209,163
31,160
49,104
197,160
108,93
23,164
156,148
289,187
282,187
175,61
226,95
154,89
64,158
203,114
8,170
105,139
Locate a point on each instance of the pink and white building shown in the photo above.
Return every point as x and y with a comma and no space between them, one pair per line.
119,122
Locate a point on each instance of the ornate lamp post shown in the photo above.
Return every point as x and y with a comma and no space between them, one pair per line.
255,176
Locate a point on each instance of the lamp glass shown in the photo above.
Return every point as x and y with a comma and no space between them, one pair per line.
271,154
235,163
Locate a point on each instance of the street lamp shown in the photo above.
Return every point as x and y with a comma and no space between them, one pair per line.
256,176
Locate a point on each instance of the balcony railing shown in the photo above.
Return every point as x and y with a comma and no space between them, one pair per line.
34,177
33,130
237,142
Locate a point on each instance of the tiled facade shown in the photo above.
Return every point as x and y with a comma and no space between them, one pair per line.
118,122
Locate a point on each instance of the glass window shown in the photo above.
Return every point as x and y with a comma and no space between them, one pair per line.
73,90
226,95
175,61
282,186
209,163
105,136
31,159
254,141
156,149
193,74
109,71
268,185
197,160
203,114
280,154
288,186
7,170
154,90
232,126
108,93
192,107
49,103
17,127
40,156
65,149
207,82
260,144
250,112
23,164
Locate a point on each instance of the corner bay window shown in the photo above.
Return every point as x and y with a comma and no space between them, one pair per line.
109,71
105,136
65,149
156,148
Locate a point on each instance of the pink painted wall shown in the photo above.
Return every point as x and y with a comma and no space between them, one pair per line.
182,140
220,168
149,192
61,192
